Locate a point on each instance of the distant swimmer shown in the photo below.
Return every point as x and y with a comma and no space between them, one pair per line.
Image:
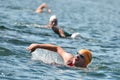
82,59
41,7
53,24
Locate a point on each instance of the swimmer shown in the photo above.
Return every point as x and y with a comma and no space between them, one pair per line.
53,24
41,7
82,59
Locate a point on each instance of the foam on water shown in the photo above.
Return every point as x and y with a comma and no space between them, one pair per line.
46,56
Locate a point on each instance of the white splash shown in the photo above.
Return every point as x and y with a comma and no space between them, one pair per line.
46,56
75,35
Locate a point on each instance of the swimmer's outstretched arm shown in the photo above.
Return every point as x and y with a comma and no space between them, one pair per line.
62,34
54,48
50,47
41,7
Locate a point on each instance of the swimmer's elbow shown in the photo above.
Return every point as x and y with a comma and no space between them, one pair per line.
60,50
38,11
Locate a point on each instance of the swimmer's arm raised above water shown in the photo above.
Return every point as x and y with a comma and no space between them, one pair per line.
41,7
61,33
51,47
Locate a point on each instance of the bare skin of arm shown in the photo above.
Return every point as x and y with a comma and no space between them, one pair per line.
66,56
58,31
41,7
61,32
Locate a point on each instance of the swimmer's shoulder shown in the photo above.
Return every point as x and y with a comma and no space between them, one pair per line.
68,54
67,57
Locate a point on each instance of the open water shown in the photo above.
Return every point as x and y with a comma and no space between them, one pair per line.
98,22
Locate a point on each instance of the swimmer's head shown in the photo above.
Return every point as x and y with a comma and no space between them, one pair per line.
87,55
53,20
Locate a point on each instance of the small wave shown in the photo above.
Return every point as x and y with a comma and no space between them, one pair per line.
17,41
14,7
3,27
29,25
5,52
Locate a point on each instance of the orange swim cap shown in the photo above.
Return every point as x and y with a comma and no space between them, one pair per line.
87,55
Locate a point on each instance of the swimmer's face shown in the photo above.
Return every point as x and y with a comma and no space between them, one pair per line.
79,60
54,22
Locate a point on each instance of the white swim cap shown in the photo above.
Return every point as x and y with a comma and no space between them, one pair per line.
53,17
75,35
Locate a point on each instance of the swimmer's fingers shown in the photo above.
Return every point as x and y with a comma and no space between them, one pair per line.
31,48
49,10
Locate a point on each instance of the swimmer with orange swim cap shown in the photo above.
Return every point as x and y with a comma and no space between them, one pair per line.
41,7
82,59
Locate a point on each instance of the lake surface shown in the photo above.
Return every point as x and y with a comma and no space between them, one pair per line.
98,22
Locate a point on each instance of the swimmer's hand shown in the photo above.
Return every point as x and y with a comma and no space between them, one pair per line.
49,10
32,47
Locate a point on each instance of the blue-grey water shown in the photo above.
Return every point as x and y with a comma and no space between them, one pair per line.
98,22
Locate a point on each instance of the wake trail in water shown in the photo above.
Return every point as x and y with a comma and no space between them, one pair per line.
30,25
